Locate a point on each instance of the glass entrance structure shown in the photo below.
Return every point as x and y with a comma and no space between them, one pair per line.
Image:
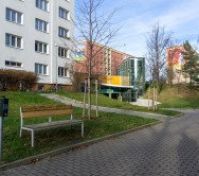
134,69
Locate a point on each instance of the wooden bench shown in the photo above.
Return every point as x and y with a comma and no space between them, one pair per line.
28,112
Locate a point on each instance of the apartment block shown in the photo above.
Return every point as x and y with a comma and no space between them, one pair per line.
175,62
35,35
105,62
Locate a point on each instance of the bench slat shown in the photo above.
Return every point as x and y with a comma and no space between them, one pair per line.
53,124
46,111
43,107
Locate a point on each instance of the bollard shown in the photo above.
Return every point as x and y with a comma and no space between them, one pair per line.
1,138
3,113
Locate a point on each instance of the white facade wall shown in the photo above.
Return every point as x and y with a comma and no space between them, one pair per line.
27,55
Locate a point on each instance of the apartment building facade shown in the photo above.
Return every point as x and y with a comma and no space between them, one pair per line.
105,62
175,63
35,35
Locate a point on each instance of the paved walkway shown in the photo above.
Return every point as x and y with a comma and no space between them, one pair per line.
76,103
145,102
167,149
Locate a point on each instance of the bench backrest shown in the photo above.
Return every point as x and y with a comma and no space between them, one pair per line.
45,111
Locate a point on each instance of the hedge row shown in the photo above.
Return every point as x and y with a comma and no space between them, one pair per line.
17,80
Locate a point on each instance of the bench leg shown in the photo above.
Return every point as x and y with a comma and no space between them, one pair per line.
20,134
32,138
82,129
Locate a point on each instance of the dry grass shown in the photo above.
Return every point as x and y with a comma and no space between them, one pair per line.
179,97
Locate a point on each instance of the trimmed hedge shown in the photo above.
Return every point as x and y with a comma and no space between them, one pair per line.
17,79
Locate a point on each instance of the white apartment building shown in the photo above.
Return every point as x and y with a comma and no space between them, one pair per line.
35,35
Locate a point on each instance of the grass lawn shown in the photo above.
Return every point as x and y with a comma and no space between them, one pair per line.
16,148
107,102
171,97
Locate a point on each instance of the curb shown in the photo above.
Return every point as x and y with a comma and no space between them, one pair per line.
34,159
179,115
176,116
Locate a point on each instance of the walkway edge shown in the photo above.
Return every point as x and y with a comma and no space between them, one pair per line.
34,159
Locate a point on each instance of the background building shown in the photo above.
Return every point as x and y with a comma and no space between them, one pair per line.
105,62
134,69
175,64
35,36
121,75
129,82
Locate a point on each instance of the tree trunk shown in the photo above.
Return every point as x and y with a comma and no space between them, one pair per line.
153,99
89,98
96,100
85,92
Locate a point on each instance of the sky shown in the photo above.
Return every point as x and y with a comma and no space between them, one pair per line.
135,18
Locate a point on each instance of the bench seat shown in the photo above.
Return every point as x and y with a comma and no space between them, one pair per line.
55,124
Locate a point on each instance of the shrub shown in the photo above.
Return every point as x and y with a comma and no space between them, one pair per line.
17,79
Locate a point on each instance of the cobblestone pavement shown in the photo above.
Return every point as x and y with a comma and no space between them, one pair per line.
167,149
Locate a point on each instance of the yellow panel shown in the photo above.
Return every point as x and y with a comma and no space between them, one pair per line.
116,80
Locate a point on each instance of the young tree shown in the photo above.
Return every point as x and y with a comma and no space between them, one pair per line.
157,42
94,27
191,59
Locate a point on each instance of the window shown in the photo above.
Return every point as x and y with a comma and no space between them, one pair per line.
40,69
41,25
132,64
63,13
63,72
13,16
42,4
63,32
140,70
63,52
41,47
13,64
13,41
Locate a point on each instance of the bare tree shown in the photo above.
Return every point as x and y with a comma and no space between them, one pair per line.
157,42
94,27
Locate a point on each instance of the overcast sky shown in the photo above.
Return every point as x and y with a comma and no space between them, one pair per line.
136,17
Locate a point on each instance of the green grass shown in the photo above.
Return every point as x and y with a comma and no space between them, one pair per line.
107,102
172,97
17,148
102,100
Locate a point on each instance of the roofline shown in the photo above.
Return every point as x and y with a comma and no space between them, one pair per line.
115,50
